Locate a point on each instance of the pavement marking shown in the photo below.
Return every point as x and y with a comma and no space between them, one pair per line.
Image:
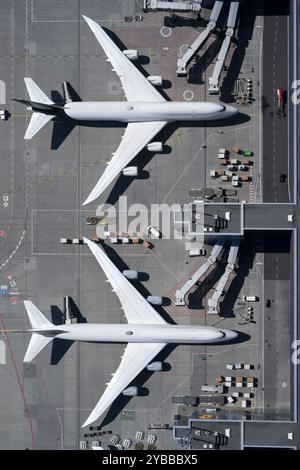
20,383
51,56
14,251
99,20
274,112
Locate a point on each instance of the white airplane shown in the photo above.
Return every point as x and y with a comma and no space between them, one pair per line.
146,333
146,111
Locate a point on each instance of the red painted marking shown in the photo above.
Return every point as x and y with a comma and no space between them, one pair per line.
20,384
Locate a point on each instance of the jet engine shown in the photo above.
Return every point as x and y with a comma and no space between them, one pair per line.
131,54
155,366
130,273
130,392
130,171
156,80
155,147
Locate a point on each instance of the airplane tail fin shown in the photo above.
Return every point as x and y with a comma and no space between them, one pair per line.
43,108
43,326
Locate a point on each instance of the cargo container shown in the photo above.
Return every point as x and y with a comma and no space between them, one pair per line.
212,388
219,379
245,178
250,298
245,403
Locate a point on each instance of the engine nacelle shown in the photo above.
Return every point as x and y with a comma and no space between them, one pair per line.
156,80
155,366
130,392
130,171
155,147
131,54
130,273
155,299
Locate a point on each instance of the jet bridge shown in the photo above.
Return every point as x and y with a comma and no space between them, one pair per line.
213,302
181,293
214,79
192,50
194,6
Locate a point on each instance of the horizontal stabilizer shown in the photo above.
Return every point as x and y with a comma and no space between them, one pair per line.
36,318
37,321
36,344
37,122
35,93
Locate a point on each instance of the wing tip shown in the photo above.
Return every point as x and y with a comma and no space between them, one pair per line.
89,21
89,421
86,240
91,197
87,201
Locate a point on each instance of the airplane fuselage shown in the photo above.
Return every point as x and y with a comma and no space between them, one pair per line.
124,333
168,111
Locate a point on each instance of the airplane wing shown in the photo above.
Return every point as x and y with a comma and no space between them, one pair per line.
136,308
137,136
135,85
136,357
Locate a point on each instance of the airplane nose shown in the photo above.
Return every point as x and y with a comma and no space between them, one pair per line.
230,334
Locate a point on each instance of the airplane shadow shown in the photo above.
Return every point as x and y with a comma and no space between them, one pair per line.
139,381
120,403
121,265
144,157
138,63
61,346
